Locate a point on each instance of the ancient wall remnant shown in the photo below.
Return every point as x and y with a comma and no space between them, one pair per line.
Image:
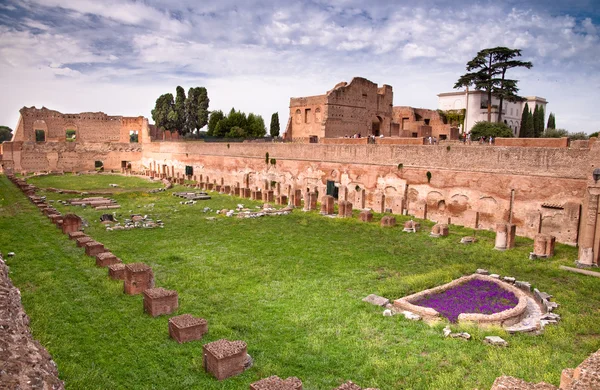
360,107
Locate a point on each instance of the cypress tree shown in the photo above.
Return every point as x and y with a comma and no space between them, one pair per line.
536,115
524,115
551,121
275,125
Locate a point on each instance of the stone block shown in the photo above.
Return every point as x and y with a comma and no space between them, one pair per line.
376,300
439,230
81,241
93,248
282,200
388,221
55,218
268,196
297,198
71,223
543,245
327,205
310,201
116,271
496,341
276,383
138,277
224,358
159,301
105,259
344,209
505,236
186,328
411,226
76,235
366,216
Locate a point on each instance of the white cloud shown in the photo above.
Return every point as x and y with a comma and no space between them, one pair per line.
257,54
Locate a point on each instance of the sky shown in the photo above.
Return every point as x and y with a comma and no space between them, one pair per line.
119,56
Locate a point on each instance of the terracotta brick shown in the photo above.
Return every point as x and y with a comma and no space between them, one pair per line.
224,358
388,221
71,223
105,259
116,271
76,235
186,328
138,277
93,248
276,383
81,241
159,301
366,216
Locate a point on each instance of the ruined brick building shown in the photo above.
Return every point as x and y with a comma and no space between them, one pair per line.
540,185
361,107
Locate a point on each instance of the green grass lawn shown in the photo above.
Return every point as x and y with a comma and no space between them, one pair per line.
289,286
94,182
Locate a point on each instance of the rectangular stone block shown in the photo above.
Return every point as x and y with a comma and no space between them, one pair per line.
138,277
327,205
81,241
366,216
105,259
71,223
297,198
159,301
186,328
93,248
276,383
116,271
76,235
224,358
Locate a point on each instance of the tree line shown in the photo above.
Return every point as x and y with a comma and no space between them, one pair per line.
188,114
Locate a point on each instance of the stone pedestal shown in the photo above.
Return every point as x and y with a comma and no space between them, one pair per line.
159,301
186,328
388,221
138,277
543,246
227,189
105,259
327,205
411,226
439,230
276,383
297,198
505,236
116,271
71,223
76,235
224,358
310,201
81,241
366,216
268,196
256,195
93,248
344,209
282,200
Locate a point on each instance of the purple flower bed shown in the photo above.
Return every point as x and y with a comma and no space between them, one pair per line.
474,296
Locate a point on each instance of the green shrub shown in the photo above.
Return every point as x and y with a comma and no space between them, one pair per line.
490,129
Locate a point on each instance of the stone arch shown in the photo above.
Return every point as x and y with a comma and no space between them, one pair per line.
318,115
298,116
433,198
413,195
487,204
376,122
458,204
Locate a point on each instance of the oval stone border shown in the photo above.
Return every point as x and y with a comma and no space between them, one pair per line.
504,318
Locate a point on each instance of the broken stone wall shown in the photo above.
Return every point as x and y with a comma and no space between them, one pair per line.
25,362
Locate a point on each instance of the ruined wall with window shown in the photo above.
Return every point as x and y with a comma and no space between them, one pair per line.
44,125
358,107
421,122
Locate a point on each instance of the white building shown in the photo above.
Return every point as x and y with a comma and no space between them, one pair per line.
475,103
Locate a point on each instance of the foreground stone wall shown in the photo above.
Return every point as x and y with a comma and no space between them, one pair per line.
25,363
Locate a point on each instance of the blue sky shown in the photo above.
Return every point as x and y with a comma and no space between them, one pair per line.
119,56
